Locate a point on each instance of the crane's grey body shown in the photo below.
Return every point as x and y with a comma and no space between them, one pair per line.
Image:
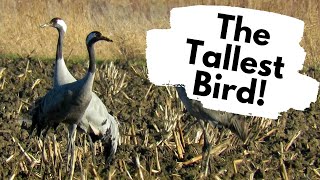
66,103
231,121
96,119
228,120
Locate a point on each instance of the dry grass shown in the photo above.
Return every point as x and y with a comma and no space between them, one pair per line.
126,22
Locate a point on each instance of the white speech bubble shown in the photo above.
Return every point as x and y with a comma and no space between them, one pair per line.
273,47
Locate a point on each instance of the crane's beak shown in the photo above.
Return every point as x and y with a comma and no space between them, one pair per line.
106,39
46,25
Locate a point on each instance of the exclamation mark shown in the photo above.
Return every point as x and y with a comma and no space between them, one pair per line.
262,89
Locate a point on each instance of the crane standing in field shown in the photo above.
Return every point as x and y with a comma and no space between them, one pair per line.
96,120
67,103
234,122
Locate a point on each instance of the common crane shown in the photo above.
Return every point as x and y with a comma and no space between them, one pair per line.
67,103
96,120
234,122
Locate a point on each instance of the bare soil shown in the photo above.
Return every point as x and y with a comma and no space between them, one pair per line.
157,134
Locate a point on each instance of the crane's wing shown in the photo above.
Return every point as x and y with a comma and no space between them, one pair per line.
50,109
98,122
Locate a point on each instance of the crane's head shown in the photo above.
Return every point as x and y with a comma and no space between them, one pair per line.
96,36
56,23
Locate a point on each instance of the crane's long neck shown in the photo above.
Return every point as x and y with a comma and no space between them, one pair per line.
182,93
89,78
183,96
59,55
92,59
61,73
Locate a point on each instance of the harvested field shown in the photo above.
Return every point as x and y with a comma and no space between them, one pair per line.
158,139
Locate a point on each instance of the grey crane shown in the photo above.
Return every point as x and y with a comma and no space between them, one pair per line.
231,121
67,103
97,122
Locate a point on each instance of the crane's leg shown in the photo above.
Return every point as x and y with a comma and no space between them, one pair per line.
205,150
71,145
